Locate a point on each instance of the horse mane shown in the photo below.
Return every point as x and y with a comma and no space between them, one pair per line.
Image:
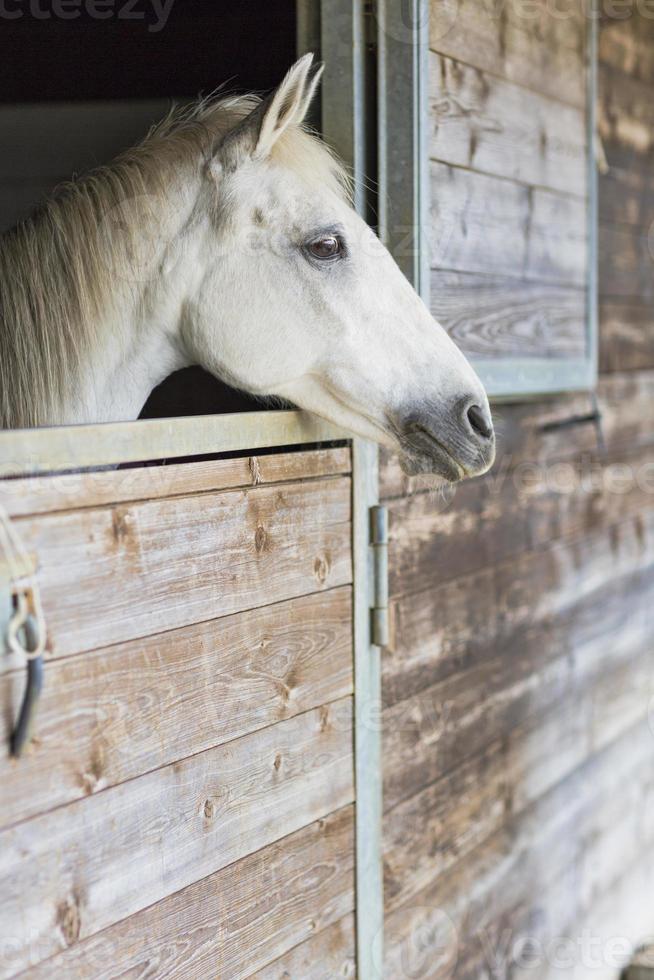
78,256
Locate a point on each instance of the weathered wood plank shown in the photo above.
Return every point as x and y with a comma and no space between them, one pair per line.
499,316
626,126
114,714
447,819
487,124
625,119
238,921
625,43
612,844
488,225
328,955
529,670
626,197
603,703
73,491
505,514
82,868
626,257
529,44
531,863
439,632
626,336
430,831
446,829
112,574
625,402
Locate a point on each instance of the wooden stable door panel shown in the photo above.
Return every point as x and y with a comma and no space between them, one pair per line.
71,491
235,921
121,711
111,574
330,954
187,803
106,857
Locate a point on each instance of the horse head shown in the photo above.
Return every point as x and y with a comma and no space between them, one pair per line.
299,299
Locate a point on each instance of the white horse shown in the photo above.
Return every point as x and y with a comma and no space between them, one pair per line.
227,239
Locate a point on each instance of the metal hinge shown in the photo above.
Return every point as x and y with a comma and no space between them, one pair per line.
379,626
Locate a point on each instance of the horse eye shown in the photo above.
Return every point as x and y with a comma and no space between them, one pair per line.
329,247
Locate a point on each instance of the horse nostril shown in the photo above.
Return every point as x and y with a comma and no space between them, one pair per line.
479,422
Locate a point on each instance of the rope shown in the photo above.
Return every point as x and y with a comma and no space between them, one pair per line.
25,587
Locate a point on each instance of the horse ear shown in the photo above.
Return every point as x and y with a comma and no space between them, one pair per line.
288,105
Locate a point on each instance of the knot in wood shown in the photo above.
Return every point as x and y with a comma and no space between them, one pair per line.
69,920
120,520
321,568
260,538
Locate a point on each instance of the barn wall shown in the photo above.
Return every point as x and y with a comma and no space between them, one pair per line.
518,739
508,176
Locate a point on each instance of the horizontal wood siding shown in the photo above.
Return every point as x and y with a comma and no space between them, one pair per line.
518,744
331,954
494,315
157,565
290,896
480,121
523,43
79,869
508,148
101,715
187,805
69,491
626,125
520,652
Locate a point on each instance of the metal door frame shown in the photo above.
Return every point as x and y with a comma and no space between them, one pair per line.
342,34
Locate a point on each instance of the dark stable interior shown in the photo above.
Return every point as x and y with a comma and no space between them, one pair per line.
134,54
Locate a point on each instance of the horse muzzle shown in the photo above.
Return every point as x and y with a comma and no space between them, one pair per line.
454,443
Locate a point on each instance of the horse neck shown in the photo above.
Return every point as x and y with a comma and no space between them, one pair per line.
125,345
